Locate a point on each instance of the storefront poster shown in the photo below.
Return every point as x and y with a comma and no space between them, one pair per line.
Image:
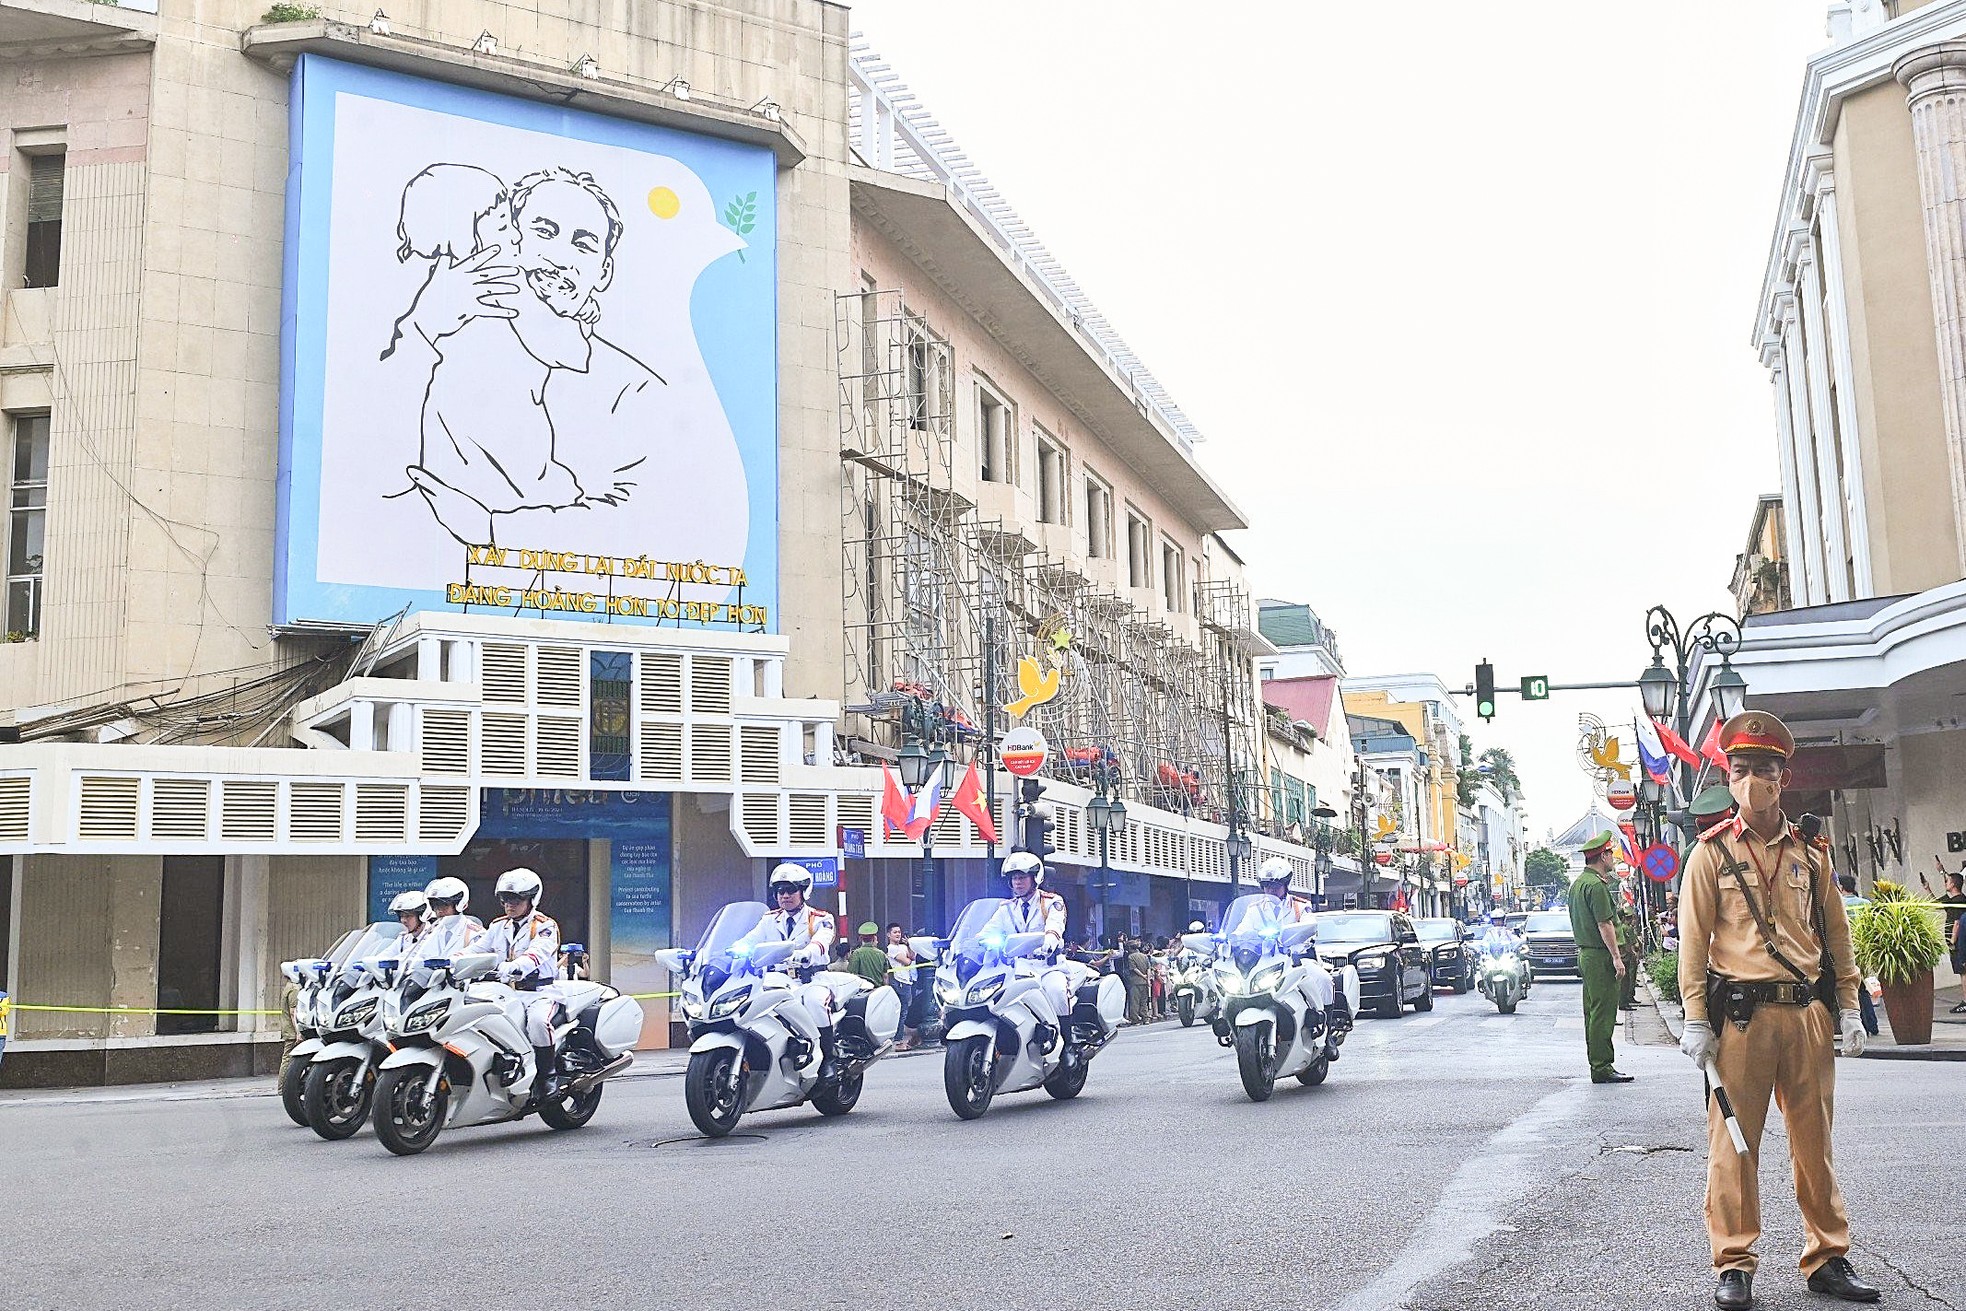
390,876
639,906
572,813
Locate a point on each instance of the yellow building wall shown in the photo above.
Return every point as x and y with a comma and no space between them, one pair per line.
1442,793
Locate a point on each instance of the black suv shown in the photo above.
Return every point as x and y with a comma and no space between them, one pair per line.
1552,946
1393,964
1451,952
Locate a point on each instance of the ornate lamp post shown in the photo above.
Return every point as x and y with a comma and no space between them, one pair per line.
1107,815
921,757
1323,839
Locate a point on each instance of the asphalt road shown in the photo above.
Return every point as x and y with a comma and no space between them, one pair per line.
1454,1160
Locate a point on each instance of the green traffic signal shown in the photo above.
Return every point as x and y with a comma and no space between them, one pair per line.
1485,690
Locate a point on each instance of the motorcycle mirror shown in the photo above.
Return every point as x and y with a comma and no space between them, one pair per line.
928,948
1022,944
472,965
767,954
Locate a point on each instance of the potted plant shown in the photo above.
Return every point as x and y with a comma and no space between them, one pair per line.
1898,941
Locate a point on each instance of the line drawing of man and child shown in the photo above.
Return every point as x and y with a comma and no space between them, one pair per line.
508,309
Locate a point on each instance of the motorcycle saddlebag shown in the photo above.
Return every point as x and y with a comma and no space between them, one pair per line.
873,1016
1107,994
618,1027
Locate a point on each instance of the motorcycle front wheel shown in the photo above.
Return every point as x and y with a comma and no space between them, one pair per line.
571,1112
969,1076
713,1090
293,1085
405,1120
336,1099
1187,1010
1506,1007
840,1097
1253,1062
1313,1074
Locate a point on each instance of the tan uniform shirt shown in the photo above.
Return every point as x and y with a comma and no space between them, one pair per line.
1717,930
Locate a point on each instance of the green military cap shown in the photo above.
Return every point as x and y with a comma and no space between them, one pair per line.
869,928
1714,801
1598,843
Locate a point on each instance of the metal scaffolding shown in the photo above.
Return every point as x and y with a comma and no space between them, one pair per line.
924,572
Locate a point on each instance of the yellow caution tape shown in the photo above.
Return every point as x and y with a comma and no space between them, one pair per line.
649,996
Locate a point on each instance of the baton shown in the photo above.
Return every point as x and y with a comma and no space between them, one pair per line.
1726,1106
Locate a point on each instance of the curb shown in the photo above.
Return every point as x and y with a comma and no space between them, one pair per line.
1878,1052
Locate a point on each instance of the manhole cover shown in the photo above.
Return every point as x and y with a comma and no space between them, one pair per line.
698,1140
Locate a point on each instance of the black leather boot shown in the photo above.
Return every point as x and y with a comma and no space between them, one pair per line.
543,1082
1735,1291
829,1061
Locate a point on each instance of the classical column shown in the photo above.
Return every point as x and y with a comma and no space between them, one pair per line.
1771,356
1836,303
1935,89
1829,482
1815,590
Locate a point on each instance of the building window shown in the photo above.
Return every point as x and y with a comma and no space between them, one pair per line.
1139,545
27,516
1098,518
996,436
44,187
1172,584
926,384
1051,480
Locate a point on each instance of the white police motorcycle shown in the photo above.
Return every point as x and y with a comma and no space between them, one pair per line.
1283,1010
311,975
1191,980
1503,976
460,1052
994,1005
741,1054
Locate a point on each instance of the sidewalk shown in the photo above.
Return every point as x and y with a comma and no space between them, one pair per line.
1948,1030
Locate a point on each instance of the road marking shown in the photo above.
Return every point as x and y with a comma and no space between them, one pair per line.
1473,1203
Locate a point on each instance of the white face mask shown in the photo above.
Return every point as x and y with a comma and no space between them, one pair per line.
1755,796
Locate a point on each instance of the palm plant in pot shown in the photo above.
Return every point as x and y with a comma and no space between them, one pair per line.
1898,940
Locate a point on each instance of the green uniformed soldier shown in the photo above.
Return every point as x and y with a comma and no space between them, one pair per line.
1626,926
1712,806
1598,959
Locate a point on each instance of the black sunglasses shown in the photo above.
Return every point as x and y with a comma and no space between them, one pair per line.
782,889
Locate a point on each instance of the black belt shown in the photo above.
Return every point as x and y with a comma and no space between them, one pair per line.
1780,994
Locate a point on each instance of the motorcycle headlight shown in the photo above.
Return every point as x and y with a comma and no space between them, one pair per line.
1266,979
729,1003
987,991
947,990
425,1018
356,1014
692,1002
1228,978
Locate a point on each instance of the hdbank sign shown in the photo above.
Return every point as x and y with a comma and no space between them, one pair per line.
529,362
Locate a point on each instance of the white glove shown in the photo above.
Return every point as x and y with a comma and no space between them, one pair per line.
1697,1042
1854,1036
514,970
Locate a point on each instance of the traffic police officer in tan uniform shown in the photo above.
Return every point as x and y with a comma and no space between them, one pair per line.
1768,978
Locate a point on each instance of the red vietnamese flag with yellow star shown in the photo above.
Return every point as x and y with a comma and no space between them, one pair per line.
969,799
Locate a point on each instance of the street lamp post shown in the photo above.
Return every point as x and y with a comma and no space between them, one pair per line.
921,758
1107,815
1324,840
1668,692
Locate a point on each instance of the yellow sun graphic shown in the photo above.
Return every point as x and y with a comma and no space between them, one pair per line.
664,203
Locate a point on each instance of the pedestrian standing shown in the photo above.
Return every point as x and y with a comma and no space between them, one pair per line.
1598,957
1139,968
1768,978
1954,902
1852,903
901,973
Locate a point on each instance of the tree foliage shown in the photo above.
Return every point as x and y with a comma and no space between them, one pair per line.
1546,869
1501,772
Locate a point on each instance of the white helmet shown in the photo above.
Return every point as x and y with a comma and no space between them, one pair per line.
1275,870
448,889
1197,927
520,882
410,903
789,872
1024,862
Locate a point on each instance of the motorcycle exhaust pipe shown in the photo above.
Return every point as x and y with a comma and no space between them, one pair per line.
582,1083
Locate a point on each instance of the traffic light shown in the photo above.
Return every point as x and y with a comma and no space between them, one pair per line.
1034,822
1485,690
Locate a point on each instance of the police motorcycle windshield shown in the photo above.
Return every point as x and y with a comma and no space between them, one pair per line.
375,941
713,959
969,942
1253,925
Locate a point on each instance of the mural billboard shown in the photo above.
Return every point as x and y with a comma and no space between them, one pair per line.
529,362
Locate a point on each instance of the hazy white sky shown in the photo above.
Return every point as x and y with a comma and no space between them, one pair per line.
1460,294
